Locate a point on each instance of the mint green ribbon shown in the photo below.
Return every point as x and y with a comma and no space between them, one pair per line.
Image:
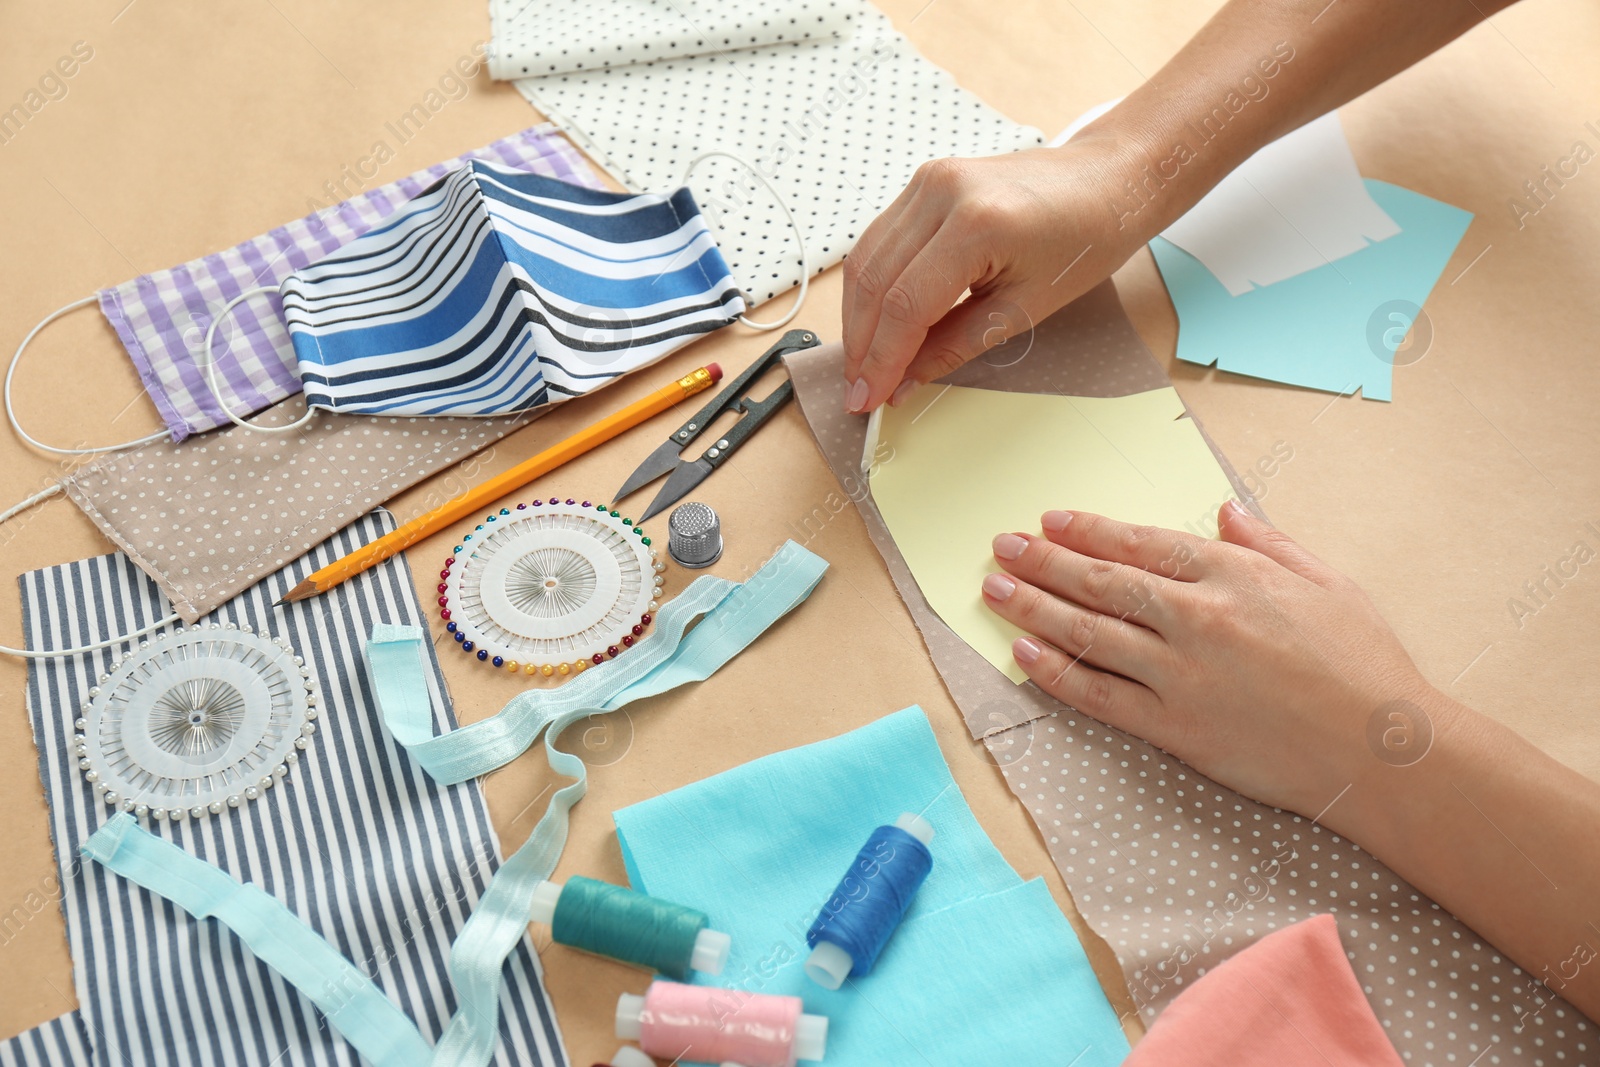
731,615
353,1006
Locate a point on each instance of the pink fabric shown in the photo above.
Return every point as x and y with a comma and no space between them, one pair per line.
1290,999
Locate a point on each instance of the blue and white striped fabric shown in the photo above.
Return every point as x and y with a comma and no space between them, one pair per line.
61,1040
496,291
358,842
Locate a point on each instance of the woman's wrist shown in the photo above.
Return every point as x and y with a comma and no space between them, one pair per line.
1137,202
1413,747
1496,831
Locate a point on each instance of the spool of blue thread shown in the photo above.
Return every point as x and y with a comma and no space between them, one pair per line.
869,902
621,924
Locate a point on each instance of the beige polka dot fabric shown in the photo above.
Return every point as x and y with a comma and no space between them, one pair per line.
209,518
1176,872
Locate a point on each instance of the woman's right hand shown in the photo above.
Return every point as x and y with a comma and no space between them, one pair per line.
1026,233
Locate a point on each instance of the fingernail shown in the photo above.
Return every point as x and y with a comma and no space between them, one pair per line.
1009,546
858,396
903,390
998,586
1236,509
1055,521
1026,650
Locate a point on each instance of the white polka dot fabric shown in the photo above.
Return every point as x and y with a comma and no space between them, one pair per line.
837,125
211,517
1176,872
532,38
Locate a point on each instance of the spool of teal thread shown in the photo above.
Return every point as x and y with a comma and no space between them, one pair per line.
609,920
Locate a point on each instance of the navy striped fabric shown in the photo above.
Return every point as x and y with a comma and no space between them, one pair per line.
497,291
59,1041
357,841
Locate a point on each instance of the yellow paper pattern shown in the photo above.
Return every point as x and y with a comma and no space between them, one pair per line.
962,465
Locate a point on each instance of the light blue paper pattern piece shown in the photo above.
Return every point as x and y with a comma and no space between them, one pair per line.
1324,329
985,970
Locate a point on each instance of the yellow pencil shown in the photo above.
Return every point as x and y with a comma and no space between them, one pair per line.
477,498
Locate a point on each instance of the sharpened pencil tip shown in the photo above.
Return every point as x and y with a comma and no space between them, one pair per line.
305,589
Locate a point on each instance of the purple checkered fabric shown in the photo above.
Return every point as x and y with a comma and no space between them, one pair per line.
162,318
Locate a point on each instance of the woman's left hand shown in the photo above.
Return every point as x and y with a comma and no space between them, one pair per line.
1247,658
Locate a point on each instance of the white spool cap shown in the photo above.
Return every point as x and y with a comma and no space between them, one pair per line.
829,965
916,826
810,1037
710,951
628,1056
545,897
630,1015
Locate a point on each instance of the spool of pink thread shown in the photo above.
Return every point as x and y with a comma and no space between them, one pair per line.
705,1025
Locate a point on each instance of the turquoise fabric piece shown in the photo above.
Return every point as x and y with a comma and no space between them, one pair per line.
1334,328
985,971
733,616
353,1005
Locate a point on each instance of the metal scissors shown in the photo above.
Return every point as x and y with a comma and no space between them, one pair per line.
685,474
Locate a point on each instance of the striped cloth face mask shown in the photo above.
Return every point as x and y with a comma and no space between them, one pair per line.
161,318
495,292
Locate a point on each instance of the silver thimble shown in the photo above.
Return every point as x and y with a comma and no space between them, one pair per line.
694,535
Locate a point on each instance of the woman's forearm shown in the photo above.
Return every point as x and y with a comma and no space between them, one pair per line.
1500,834
1258,70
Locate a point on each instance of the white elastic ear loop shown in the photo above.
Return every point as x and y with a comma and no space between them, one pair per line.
11,414
36,498
210,363
799,239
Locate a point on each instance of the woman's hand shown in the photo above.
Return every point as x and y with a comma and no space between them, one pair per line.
1247,658
1257,664
1026,233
